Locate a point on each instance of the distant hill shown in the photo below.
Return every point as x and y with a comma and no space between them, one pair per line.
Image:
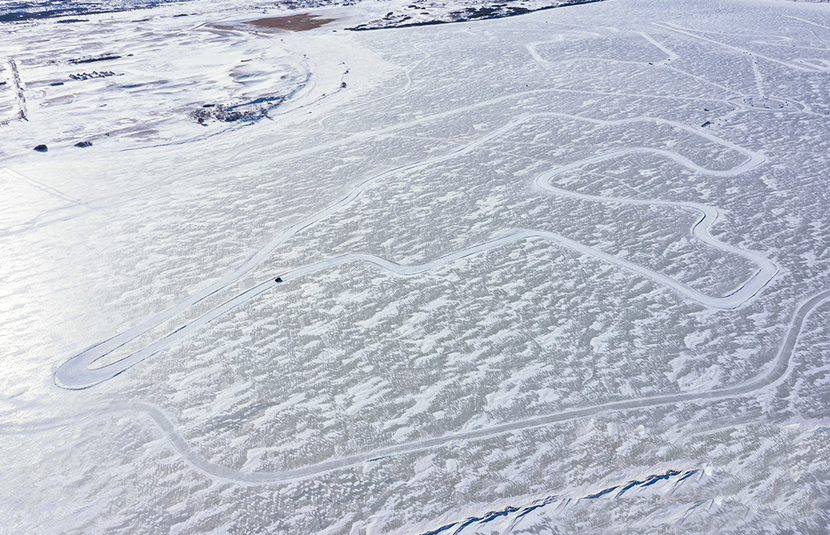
421,13
14,11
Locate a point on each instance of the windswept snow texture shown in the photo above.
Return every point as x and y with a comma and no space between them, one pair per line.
567,272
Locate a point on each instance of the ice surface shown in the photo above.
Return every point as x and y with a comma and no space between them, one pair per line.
564,272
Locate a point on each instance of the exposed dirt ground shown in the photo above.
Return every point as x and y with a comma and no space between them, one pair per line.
294,23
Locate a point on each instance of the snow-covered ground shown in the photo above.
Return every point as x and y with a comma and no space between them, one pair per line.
564,272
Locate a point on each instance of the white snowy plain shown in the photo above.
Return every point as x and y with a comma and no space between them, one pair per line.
564,272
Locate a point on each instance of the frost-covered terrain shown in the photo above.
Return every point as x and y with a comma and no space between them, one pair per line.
564,272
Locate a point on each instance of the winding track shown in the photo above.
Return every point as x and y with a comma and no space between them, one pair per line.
77,373
778,371
701,230
805,65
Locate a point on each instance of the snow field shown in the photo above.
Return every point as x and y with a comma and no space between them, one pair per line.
349,398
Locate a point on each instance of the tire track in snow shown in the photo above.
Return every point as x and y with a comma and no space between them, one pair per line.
666,63
560,37
701,230
805,66
778,371
759,80
77,372
49,190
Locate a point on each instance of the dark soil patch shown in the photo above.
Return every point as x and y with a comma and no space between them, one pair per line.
293,23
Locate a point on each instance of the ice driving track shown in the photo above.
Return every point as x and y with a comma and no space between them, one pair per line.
77,373
779,369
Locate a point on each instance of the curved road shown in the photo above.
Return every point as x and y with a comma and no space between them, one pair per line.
701,230
779,370
77,373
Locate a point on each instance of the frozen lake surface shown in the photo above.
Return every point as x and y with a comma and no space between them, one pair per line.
563,272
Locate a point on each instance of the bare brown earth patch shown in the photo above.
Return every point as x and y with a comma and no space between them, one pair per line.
294,23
